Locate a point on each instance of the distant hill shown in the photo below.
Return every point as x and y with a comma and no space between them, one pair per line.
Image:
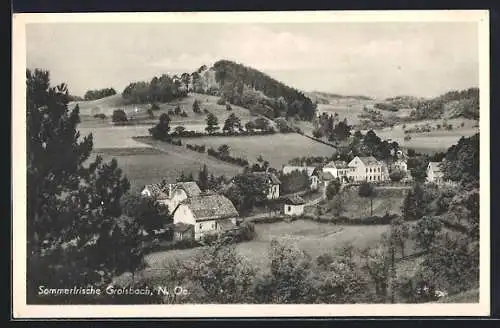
453,104
326,98
234,83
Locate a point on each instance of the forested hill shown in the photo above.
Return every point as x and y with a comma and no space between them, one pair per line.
250,88
456,103
234,83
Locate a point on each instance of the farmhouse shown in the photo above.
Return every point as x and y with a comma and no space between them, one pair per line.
205,214
273,184
294,206
368,169
434,172
340,170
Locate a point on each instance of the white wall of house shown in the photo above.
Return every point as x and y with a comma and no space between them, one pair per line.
314,182
359,172
433,177
294,210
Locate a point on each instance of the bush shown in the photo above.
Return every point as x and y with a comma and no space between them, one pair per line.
100,115
234,160
184,114
397,175
119,115
221,101
171,112
198,148
155,106
317,133
228,107
206,111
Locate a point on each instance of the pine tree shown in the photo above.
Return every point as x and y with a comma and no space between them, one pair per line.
413,204
212,123
203,178
73,212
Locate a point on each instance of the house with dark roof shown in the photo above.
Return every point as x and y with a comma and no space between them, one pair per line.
206,214
368,169
171,194
294,206
273,183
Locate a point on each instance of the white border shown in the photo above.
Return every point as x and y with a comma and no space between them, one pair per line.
21,310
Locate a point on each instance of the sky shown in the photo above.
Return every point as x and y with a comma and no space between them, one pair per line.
377,59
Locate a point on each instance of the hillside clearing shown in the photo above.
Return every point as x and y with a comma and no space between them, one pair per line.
312,237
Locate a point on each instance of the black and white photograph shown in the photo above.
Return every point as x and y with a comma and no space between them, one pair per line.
251,164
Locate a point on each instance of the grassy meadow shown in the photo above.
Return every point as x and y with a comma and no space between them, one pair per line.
278,149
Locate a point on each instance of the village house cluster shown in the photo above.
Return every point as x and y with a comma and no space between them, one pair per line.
196,213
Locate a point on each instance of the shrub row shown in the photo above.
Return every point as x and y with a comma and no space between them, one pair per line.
227,158
198,148
369,220
196,134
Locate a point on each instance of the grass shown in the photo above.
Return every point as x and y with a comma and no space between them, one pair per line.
193,122
115,136
278,149
385,201
312,237
165,161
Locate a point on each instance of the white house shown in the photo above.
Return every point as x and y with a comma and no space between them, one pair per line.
211,213
294,206
434,172
340,170
273,184
368,169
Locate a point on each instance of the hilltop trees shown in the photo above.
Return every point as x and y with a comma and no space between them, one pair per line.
159,89
75,234
98,94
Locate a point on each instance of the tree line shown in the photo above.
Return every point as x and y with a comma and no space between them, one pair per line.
159,89
99,93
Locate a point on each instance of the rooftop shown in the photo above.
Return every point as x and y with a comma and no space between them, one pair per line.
295,200
211,207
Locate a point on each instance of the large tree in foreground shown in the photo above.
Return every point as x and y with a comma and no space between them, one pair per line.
75,233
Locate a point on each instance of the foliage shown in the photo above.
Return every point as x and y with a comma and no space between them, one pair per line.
75,233
119,116
397,175
196,107
237,81
246,191
149,214
232,123
98,94
462,161
414,205
427,231
333,188
160,89
162,129
336,205
399,234
367,190
212,123
294,181
288,281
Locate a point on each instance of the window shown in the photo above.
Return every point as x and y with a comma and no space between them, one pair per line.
289,208
201,226
213,225
378,178
366,170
